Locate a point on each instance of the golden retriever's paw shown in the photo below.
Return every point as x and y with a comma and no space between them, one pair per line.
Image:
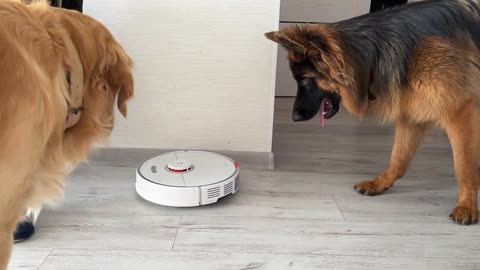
370,188
25,229
464,215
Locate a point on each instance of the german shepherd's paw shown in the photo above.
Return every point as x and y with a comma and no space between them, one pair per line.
464,215
370,188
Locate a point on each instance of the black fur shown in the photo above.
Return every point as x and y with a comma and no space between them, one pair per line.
382,44
25,230
377,5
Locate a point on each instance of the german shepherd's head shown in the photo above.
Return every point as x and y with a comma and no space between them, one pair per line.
323,77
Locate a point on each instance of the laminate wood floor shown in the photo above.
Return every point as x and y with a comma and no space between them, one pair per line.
302,215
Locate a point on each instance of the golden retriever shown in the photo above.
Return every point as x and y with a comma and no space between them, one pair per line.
60,75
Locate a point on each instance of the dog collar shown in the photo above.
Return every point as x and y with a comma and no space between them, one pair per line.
75,84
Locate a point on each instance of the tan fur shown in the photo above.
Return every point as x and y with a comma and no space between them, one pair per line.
407,139
443,90
36,152
463,129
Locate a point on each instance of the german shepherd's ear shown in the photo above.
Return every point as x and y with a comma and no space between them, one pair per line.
324,49
319,44
287,40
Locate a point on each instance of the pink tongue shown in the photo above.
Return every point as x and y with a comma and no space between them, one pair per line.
322,113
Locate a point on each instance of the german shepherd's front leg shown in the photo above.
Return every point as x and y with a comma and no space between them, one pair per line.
407,140
462,130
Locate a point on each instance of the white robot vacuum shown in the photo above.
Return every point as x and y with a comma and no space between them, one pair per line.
187,178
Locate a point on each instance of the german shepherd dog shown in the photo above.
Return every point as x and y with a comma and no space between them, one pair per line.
416,66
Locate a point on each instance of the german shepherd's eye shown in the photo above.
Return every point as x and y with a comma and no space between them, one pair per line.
306,82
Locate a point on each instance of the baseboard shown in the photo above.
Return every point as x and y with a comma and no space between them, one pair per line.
132,157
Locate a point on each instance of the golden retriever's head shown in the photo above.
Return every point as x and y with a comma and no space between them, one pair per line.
107,70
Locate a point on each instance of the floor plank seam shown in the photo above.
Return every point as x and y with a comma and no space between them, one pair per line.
338,207
312,254
44,260
355,219
176,233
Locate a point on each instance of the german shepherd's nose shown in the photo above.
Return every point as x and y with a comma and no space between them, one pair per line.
297,117
300,114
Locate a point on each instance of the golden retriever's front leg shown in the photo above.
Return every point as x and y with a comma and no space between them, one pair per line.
407,140
13,197
6,242
10,214
462,130
19,155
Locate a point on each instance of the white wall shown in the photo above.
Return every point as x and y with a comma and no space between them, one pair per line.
204,72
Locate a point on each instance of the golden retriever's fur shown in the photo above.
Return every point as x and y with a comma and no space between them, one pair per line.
36,152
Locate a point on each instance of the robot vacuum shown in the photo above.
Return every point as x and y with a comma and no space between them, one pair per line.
187,178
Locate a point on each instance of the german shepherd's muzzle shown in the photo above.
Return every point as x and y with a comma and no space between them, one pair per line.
309,100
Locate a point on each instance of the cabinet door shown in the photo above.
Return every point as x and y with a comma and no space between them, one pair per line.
321,10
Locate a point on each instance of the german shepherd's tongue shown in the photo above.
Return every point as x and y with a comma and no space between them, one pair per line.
322,113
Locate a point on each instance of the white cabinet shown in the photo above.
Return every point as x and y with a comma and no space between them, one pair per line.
204,72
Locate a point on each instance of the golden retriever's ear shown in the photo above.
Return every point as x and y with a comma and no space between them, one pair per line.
126,84
119,75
